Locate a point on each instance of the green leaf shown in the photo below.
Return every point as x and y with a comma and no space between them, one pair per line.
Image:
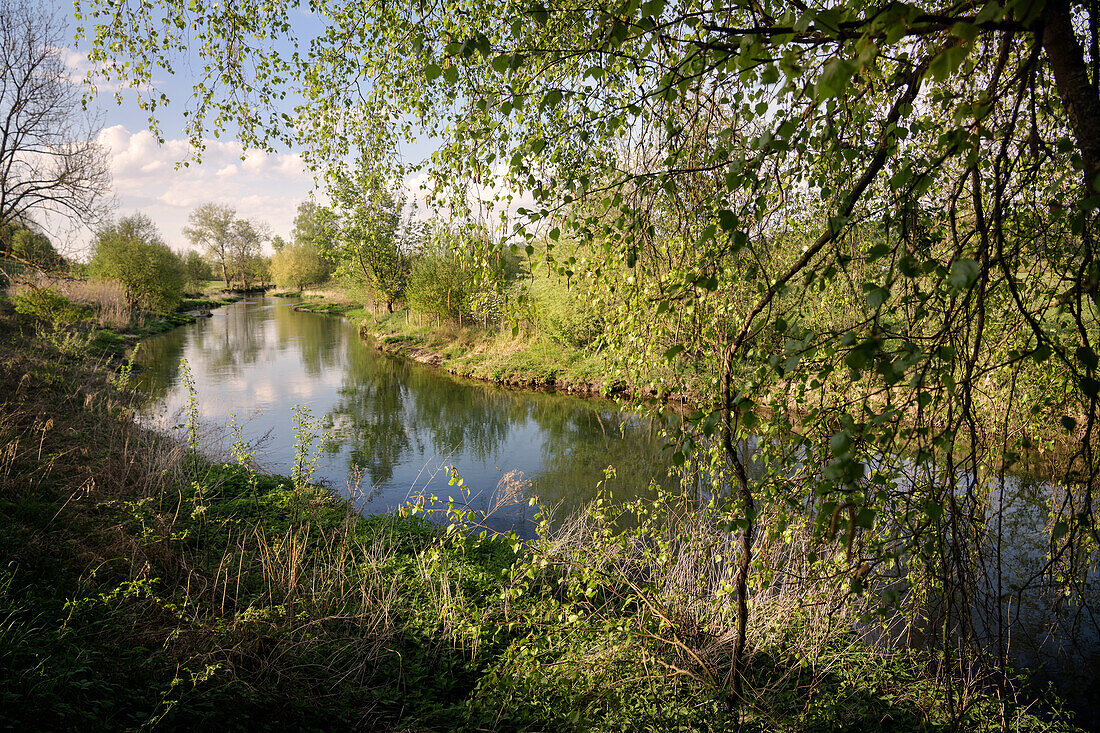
963,274
877,296
450,74
966,31
727,220
551,99
841,443
432,72
948,61
834,78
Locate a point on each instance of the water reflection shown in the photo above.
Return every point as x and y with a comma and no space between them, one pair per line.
394,423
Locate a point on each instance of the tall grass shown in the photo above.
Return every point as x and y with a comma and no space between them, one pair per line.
105,298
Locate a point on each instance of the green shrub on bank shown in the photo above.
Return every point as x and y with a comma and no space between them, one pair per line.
56,319
564,314
132,252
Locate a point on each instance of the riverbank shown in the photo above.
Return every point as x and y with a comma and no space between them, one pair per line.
518,362
145,586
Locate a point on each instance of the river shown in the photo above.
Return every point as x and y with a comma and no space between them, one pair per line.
395,426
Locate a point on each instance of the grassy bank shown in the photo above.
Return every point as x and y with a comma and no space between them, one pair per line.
145,586
527,361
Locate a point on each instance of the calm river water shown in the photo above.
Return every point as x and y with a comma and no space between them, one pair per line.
395,424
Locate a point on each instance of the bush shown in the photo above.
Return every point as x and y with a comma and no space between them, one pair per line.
298,265
564,315
196,270
438,286
56,319
132,252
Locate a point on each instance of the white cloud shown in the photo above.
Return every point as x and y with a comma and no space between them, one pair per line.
148,178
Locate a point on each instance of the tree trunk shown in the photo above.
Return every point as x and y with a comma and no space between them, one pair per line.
748,506
1067,61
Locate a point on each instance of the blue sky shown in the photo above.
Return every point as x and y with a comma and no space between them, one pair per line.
263,187
147,178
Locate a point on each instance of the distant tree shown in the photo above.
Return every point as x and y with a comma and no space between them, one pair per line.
258,267
50,161
246,240
230,243
132,252
197,270
298,265
277,243
211,228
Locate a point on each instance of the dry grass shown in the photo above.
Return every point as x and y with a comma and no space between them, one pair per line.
106,298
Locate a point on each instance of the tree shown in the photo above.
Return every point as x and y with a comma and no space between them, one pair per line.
132,252
30,246
867,225
245,241
231,244
211,227
298,265
197,269
258,268
370,246
315,225
50,161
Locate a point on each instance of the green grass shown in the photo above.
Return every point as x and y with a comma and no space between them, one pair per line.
497,357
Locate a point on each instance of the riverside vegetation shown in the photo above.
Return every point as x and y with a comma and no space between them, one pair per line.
146,585
858,239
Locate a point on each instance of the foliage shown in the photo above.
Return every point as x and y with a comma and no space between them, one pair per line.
438,286
315,226
298,265
232,245
31,247
132,252
210,227
56,319
564,314
197,270
372,246
869,226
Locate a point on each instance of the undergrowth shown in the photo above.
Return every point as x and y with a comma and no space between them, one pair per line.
144,586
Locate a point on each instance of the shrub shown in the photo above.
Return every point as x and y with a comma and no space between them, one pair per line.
298,265
196,270
132,252
438,286
564,315
56,319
